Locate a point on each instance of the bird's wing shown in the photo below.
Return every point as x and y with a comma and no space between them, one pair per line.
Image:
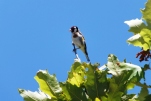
82,35
85,48
82,41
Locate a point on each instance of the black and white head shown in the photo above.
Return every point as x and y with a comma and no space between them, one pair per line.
74,29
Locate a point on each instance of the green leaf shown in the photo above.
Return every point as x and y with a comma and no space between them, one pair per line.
142,33
48,83
130,85
147,98
76,75
142,40
65,94
136,40
34,96
74,85
146,35
143,93
133,100
135,25
96,83
124,74
116,67
147,12
97,99
143,85
91,84
86,82
146,67
77,93
104,98
128,97
114,93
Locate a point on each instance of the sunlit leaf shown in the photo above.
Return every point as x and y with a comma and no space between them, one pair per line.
76,75
135,25
143,39
147,12
142,32
75,82
34,96
48,83
97,99
116,67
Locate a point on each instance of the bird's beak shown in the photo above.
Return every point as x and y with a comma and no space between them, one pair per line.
70,30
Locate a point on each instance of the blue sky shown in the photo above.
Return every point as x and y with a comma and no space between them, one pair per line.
34,34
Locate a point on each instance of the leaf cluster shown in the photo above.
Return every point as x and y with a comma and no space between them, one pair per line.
88,82
141,28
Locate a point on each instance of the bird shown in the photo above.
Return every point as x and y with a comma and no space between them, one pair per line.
78,40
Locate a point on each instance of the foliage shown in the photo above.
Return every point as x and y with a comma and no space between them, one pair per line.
111,82
87,82
141,28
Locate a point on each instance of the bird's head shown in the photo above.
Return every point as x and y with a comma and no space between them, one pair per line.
74,29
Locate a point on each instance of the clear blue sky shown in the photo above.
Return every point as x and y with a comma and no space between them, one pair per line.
34,34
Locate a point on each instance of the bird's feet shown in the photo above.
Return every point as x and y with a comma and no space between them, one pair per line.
74,50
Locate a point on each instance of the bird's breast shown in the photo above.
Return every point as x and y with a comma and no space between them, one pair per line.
76,41
75,35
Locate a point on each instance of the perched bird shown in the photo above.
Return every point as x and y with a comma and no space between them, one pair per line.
79,41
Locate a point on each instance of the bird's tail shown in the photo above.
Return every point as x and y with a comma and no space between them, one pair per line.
86,54
88,59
